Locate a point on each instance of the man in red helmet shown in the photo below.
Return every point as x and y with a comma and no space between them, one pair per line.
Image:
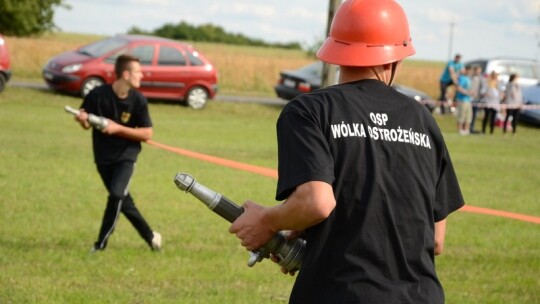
364,171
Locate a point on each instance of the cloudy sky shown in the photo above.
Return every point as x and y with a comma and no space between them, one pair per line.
482,28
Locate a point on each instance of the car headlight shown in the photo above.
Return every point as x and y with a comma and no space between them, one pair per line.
72,68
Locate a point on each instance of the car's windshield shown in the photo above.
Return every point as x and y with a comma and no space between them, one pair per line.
102,47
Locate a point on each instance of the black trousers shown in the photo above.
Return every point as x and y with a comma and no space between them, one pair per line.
442,98
116,178
489,116
475,109
515,115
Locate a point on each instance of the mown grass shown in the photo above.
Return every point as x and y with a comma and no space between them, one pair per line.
242,70
52,202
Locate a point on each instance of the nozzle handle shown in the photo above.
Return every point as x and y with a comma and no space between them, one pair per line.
227,209
217,202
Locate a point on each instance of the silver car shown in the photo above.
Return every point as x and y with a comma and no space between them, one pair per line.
527,69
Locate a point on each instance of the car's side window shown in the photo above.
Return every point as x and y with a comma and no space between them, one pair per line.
525,71
170,56
145,53
112,58
194,58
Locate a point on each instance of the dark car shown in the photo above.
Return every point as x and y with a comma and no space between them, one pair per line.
531,112
171,69
5,64
292,83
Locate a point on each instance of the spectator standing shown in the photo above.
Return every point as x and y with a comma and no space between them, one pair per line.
476,89
371,207
117,146
513,100
492,97
463,100
449,78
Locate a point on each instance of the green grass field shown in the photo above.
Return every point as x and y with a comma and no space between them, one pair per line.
52,202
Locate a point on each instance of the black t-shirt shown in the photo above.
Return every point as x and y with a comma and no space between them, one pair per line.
131,112
392,178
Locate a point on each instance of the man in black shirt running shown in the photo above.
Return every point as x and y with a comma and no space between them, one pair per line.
117,146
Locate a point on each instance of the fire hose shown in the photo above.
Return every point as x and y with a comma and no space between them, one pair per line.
289,252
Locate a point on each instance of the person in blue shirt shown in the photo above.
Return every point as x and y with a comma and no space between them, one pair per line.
448,78
463,100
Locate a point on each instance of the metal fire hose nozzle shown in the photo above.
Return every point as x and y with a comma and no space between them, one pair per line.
289,252
95,121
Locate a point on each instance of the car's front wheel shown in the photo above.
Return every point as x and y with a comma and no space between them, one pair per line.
89,84
197,97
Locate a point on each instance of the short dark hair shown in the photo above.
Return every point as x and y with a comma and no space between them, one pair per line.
123,63
512,77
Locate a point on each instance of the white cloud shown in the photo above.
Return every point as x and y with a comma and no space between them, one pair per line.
439,15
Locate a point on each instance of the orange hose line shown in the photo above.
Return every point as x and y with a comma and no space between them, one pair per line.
216,160
516,216
273,173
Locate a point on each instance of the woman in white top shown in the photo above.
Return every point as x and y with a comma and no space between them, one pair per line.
491,93
513,99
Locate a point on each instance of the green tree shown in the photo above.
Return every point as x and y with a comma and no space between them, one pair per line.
28,17
135,30
210,33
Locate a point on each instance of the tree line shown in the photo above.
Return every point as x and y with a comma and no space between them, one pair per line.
208,33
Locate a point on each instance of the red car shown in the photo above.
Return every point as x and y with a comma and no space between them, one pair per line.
171,69
5,64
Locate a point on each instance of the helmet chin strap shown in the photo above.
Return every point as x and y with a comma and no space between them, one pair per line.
393,75
383,76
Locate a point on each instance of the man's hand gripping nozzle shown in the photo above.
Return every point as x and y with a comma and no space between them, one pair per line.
289,252
95,121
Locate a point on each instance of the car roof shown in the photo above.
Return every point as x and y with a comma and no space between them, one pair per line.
135,38
484,61
505,58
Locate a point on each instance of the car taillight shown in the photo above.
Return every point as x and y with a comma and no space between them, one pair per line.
304,87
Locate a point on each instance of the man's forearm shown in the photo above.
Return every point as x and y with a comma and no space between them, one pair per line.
135,134
440,233
307,206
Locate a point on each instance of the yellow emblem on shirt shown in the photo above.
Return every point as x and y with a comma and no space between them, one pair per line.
125,117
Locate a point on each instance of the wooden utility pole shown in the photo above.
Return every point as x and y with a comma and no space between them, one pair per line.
451,42
329,71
